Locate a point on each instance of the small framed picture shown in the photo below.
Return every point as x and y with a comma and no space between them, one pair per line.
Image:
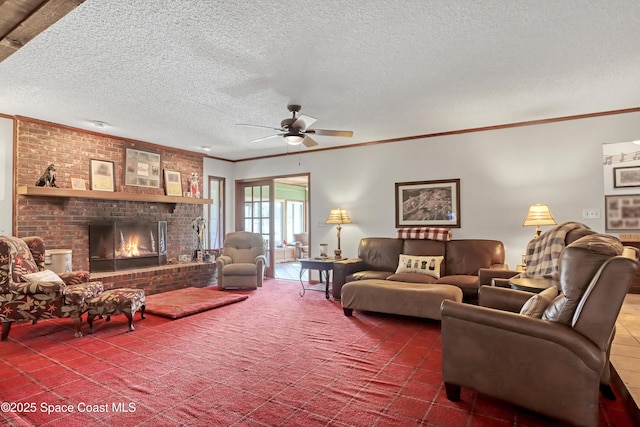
172,183
102,175
628,176
78,184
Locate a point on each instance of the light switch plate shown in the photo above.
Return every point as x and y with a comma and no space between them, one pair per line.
591,213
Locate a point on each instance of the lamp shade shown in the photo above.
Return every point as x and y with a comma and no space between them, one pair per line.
338,216
539,215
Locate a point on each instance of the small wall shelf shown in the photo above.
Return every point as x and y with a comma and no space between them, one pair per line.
24,190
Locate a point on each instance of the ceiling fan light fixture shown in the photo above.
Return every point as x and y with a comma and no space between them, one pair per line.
293,138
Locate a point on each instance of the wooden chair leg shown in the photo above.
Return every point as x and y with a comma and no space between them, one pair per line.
90,318
129,317
77,323
6,328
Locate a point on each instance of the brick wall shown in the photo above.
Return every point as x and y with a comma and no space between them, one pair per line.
161,279
64,222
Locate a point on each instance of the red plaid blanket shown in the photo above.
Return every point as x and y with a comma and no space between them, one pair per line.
424,233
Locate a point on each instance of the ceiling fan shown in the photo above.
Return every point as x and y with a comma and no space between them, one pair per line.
295,129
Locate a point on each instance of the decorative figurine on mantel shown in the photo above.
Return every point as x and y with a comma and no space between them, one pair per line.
48,178
199,224
194,189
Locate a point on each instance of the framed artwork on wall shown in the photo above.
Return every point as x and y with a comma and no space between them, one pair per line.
622,213
102,175
428,203
142,168
172,183
627,176
78,184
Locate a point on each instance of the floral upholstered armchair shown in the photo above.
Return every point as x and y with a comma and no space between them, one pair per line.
28,292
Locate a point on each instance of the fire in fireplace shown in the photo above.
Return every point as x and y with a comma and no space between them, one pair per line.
122,245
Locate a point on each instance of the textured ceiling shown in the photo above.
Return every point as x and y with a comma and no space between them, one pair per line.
185,73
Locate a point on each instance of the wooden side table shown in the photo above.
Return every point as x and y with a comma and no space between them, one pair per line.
322,265
531,284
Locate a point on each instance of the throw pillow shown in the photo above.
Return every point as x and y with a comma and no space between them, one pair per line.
537,304
429,265
43,276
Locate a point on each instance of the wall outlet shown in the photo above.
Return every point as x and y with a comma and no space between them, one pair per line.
591,213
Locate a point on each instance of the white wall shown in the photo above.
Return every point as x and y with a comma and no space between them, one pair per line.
224,169
502,172
6,176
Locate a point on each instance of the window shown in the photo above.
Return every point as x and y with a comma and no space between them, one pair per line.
295,219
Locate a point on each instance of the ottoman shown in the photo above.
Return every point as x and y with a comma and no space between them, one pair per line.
388,296
116,301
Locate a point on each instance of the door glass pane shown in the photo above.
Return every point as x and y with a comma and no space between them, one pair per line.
216,212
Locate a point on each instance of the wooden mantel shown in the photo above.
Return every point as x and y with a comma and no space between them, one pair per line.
24,190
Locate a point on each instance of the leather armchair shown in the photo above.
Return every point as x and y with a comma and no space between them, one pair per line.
242,263
501,278
554,365
23,300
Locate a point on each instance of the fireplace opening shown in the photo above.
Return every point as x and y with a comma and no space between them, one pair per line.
122,245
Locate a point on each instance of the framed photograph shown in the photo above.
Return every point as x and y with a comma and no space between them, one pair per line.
172,183
142,168
622,213
628,176
78,184
428,203
102,175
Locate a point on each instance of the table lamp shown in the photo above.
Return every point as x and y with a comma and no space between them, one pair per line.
338,216
539,215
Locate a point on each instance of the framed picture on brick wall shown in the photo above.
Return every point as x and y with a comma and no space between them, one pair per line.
172,183
102,175
142,168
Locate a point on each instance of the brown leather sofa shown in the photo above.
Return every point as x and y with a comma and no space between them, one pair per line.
554,362
378,258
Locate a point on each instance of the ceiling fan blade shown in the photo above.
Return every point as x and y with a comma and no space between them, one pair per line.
309,142
303,122
343,133
260,126
266,137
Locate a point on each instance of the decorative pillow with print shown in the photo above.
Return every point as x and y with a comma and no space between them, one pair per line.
43,276
429,265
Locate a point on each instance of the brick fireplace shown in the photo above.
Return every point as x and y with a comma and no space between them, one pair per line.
63,222
124,244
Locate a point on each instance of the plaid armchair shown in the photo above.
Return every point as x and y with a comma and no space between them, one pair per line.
26,297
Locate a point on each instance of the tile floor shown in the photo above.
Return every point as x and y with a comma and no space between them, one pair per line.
625,352
290,271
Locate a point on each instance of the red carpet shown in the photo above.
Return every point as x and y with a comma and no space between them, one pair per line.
188,301
276,359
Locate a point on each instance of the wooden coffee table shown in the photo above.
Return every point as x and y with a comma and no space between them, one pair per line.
322,265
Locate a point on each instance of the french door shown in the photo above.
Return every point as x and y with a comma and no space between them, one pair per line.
254,213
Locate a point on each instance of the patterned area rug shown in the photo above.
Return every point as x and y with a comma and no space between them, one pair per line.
188,301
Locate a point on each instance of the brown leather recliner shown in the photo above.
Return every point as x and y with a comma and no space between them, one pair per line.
494,277
553,365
